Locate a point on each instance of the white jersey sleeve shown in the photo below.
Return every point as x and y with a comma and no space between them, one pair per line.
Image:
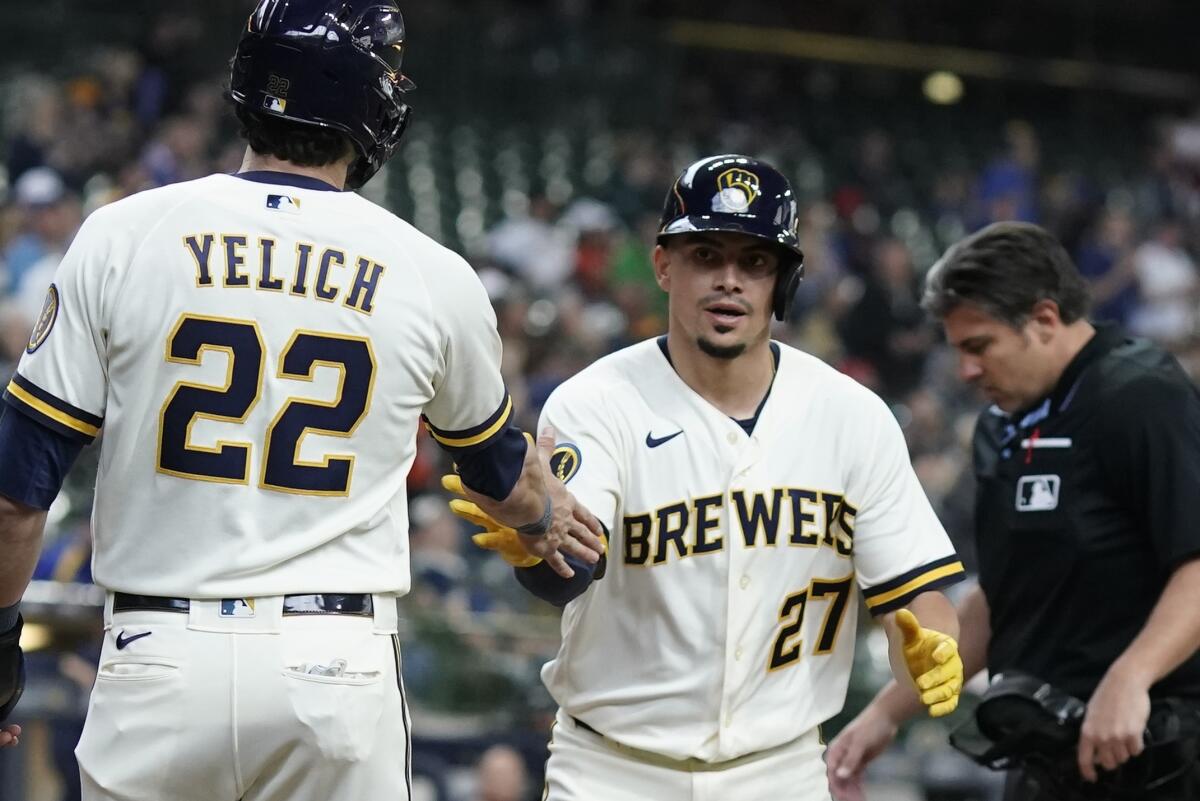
470,405
900,547
62,378
590,445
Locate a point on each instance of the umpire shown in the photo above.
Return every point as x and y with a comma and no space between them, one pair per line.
1087,522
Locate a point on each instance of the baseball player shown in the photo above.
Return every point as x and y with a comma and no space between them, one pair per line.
259,350
752,495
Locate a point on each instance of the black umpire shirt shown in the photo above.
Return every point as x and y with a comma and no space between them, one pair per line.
1087,502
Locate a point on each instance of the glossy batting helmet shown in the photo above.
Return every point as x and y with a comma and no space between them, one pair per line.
745,196
332,63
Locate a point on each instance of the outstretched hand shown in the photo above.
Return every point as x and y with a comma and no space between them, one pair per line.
573,529
933,662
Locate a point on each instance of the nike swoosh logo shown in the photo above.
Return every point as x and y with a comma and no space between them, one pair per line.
122,640
651,442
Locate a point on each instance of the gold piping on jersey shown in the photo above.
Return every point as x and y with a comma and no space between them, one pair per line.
234,259
45,409
200,255
267,281
908,587
281,372
364,286
332,257
482,436
221,443
300,274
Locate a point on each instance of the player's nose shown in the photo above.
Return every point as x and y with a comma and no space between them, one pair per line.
969,368
728,277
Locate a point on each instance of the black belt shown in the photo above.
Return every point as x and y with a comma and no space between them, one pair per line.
315,604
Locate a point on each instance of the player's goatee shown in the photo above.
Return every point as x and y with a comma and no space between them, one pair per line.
721,351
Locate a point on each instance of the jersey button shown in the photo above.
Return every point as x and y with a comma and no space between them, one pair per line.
738,653
745,582
732,438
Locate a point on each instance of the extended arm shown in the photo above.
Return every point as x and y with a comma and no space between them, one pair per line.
1119,708
874,728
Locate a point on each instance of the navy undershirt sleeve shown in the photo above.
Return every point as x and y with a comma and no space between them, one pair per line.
34,460
494,469
542,581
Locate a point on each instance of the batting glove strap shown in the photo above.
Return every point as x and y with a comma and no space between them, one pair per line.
12,670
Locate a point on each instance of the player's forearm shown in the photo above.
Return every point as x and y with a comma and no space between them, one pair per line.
20,543
1171,634
974,631
525,504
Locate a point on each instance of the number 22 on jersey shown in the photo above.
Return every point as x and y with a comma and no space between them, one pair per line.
229,461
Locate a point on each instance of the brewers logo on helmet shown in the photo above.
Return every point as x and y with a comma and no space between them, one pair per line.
741,195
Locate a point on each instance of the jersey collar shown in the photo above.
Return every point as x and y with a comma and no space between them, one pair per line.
286,179
749,423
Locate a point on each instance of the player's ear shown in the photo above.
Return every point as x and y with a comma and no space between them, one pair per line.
662,262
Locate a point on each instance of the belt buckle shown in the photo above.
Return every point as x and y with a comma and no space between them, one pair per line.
237,607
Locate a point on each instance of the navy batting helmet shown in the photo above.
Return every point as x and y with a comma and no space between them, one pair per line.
745,196
332,63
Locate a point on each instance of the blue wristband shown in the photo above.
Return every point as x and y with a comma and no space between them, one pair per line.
8,616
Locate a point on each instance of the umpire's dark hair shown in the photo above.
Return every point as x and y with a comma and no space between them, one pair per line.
304,145
1005,269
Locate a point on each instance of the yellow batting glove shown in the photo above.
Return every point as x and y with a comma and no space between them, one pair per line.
933,661
496,536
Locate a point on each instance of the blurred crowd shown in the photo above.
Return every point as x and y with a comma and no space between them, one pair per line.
570,278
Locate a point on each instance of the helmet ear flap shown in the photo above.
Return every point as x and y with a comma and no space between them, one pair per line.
785,289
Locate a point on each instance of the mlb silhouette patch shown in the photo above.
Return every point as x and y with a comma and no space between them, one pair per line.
285,203
1038,493
275,104
237,607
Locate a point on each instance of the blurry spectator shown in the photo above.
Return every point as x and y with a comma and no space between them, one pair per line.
1008,186
594,227
1106,261
501,775
886,328
33,113
875,173
533,247
179,151
1167,286
438,568
51,214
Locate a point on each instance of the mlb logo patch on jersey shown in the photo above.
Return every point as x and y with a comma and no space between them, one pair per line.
237,607
1038,493
286,203
45,320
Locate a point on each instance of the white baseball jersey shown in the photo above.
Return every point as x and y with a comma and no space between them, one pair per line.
725,624
258,353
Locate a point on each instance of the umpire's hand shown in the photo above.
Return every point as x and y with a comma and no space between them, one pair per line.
1114,726
12,681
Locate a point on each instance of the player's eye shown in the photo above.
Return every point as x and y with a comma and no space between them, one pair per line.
705,255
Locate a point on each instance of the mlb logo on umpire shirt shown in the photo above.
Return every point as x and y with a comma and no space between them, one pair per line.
1038,493
285,203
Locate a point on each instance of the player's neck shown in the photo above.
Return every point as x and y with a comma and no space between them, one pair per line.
332,174
734,386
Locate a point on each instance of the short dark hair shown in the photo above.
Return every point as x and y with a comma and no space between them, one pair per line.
301,144
1006,269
